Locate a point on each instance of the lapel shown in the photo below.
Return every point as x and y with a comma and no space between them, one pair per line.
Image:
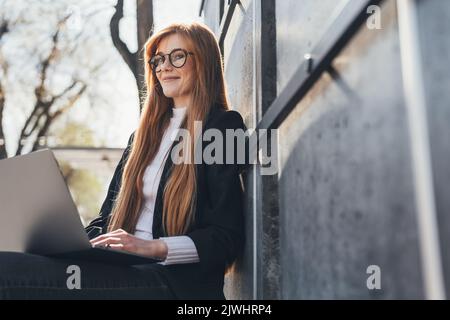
157,228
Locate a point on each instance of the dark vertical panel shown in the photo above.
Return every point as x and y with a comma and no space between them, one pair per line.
268,54
269,227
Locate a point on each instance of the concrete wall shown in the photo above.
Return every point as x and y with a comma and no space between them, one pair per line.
344,194
346,188
238,56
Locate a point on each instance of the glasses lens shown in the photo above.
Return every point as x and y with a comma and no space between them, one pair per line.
156,62
178,58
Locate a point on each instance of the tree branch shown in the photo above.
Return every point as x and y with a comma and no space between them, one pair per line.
50,118
3,30
127,56
43,104
2,135
144,21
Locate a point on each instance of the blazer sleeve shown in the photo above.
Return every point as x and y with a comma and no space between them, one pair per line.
220,235
99,225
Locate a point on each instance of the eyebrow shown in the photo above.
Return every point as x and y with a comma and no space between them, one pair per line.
160,52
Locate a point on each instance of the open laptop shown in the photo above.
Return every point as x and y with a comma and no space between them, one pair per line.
38,215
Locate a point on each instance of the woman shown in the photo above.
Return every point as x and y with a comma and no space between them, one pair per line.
187,214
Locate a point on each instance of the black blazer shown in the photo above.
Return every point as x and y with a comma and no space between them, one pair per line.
218,231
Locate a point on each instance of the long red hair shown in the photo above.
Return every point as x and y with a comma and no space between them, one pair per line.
179,196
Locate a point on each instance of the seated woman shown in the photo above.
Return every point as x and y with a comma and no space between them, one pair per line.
188,214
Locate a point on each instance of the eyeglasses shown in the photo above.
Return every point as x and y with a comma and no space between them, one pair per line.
177,58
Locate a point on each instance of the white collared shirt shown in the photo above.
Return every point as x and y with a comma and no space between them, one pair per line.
181,249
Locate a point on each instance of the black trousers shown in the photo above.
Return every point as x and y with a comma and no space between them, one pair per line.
26,276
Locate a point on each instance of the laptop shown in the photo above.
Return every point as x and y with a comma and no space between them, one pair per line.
39,216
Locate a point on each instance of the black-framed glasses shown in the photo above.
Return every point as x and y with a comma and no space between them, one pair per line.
177,58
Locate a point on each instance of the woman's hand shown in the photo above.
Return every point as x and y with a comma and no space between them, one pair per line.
122,240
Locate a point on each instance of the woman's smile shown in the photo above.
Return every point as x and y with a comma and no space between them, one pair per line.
170,79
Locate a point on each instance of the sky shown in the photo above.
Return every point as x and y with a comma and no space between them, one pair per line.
165,12
169,11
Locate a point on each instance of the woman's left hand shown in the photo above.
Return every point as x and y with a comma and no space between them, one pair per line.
122,240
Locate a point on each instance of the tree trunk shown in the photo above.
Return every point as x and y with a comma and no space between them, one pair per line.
144,20
2,135
134,60
3,29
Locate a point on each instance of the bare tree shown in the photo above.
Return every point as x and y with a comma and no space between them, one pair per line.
144,20
3,30
3,153
48,105
41,117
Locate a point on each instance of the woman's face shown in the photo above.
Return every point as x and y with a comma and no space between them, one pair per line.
176,83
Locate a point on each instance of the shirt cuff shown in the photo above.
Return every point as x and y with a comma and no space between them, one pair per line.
181,249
